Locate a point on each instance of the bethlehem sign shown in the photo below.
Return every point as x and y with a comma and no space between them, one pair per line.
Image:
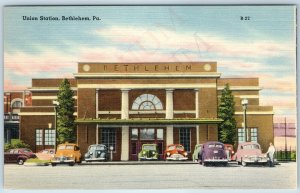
125,105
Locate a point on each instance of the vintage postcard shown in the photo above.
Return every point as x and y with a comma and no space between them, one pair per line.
150,97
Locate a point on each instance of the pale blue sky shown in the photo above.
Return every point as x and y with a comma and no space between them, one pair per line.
262,47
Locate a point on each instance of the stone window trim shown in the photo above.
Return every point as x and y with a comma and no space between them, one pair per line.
147,102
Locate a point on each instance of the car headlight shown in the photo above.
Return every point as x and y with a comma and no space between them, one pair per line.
71,155
185,154
168,154
144,152
91,153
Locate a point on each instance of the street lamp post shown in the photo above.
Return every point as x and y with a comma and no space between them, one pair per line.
55,103
244,104
111,148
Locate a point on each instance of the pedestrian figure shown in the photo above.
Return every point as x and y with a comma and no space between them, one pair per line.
270,153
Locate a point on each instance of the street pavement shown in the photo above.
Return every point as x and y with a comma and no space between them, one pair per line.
150,176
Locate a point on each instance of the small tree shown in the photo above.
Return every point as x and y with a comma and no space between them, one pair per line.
227,129
65,110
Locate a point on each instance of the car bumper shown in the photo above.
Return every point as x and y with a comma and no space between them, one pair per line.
95,159
147,158
61,161
216,160
255,160
176,158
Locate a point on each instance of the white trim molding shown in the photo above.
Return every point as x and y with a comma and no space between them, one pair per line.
40,113
47,97
241,88
48,88
247,96
244,96
255,113
145,112
148,86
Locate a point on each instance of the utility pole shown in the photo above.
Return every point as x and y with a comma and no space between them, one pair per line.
285,142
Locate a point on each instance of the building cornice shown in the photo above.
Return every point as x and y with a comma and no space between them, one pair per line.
148,86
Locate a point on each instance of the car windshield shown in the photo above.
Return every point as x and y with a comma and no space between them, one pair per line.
215,146
149,147
251,146
171,147
27,151
61,147
99,147
69,147
180,147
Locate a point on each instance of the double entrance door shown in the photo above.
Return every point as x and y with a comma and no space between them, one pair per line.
145,135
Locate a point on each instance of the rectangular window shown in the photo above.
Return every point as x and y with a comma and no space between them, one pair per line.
134,134
147,134
39,136
241,135
160,134
185,138
49,137
108,137
253,134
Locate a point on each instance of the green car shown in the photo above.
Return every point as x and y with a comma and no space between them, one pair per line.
149,152
197,152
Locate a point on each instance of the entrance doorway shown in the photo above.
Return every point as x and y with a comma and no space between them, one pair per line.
140,136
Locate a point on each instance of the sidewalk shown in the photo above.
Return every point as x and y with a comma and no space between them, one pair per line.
141,162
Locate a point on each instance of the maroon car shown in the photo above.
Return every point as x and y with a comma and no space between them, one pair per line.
19,155
213,152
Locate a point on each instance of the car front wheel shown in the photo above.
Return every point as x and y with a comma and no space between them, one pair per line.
244,163
20,161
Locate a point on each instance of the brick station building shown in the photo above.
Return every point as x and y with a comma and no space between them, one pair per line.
125,105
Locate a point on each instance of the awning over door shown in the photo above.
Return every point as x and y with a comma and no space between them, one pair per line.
149,121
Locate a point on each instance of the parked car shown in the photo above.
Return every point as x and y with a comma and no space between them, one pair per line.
18,155
250,153
46,154
197,152
175,152
148,152
97,152
67,153
213,152
229,151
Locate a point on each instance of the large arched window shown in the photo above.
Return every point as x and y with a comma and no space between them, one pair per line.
147,102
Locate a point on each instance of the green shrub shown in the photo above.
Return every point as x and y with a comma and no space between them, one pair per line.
16,143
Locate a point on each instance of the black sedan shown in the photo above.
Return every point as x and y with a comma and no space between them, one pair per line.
97,152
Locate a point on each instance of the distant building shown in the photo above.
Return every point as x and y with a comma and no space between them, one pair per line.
13,102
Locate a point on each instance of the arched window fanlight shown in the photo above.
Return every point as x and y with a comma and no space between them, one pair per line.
147,102
17,104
